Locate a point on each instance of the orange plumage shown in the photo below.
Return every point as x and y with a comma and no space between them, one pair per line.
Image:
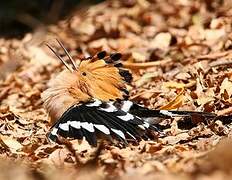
92,98
96,77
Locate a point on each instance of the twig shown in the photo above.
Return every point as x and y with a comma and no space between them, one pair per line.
225,111
214,55
146,64
218,64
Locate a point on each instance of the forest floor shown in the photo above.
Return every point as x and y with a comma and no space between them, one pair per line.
180,54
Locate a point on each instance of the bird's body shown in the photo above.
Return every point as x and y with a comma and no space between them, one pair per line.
92,99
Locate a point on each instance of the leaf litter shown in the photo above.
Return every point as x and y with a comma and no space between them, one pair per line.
180,55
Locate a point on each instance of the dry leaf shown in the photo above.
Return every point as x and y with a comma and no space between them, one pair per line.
213,35
175,103
161,41
175,139
226,87
58,157
138,56
183,76
145,78
9,142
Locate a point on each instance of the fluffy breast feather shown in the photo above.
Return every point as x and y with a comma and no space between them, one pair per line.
62,93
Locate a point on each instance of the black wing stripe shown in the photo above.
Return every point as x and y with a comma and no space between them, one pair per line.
99,123
125,127
118,113
117,129
112,126
53,134
90,137
75,124
62,133
75,133
88,128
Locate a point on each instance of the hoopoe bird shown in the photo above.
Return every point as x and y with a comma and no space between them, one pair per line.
91,101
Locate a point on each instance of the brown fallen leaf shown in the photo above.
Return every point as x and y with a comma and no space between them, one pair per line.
146,94
225,88
145,78
10,143
161,41
176,102
183,76
58,157
139,56
212,36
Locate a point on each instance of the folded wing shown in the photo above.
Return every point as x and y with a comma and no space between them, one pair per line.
90,119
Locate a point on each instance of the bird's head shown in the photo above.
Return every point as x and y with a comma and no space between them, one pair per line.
98,77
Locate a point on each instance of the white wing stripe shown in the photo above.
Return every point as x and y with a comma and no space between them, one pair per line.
126,106
146,125
166,112
87,126
126,117
118,132
110,108
75,124
102,128
96,103
54,131
64,126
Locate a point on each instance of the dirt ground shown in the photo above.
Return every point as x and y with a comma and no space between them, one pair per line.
180,54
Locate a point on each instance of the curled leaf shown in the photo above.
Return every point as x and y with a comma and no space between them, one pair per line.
176,102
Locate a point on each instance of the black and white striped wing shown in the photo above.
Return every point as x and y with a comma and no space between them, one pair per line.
143,112
89,119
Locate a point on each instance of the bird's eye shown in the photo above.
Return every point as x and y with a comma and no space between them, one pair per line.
84,73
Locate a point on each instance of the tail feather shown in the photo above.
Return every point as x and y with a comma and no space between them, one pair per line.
225,119
144,112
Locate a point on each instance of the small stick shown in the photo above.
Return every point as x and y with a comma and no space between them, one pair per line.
225,111
145,64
